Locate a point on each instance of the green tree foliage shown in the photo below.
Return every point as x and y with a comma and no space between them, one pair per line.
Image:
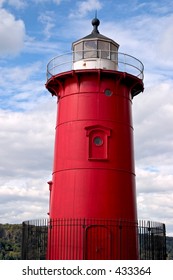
10,241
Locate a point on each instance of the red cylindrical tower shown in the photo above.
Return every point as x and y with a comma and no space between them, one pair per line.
92,194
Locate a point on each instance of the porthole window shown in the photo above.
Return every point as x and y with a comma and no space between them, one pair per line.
98,141
108,92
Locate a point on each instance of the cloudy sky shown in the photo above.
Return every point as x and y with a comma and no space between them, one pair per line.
31,33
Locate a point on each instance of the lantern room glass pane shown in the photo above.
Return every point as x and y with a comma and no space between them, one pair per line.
104,49
114,52
78,51
90,49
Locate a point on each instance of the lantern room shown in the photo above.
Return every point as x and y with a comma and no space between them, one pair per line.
95,51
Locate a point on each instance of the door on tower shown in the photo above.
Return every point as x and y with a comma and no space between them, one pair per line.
97,243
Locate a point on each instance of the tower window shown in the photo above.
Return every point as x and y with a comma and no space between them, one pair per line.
98,141
108,92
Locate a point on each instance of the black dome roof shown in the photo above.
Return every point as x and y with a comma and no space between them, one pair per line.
95,34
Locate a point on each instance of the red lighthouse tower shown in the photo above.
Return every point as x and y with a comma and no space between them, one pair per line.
93,211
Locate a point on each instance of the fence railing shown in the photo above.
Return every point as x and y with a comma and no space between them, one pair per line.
122,62
151,238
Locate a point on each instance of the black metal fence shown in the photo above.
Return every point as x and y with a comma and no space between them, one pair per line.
151,238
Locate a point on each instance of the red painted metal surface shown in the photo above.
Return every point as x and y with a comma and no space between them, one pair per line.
93,172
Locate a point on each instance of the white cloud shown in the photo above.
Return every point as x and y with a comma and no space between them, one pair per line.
21,82
19,199
26,140
157,207
48,1
17,3
47,48
12,34
1,3
18,75
153,124
166,41
83,7
57,1
48,20
147,37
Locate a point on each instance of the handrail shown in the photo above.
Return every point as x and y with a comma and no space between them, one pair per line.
125,63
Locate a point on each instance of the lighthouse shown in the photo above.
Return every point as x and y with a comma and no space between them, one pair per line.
93,211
